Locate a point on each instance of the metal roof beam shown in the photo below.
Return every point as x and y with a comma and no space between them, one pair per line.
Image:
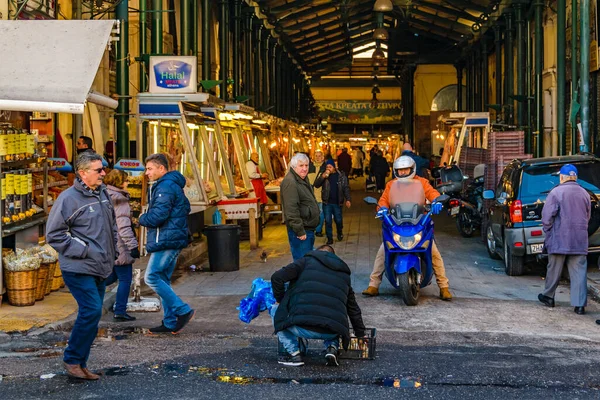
454,25
463,5
359,30
440,30
293,4
434,36
367,39
338,62
446,10
304,33
306,12
344,50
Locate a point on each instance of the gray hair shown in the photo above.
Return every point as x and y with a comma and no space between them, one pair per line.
85,160
158,159
297,158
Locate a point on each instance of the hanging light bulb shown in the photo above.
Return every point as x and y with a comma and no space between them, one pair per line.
383,6
380,34
378,54
376,62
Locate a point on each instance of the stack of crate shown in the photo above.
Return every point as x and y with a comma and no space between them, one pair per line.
503,147
470,157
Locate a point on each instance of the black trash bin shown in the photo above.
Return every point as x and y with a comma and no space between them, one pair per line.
223,247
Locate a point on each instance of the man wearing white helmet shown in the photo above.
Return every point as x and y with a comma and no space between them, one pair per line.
405,169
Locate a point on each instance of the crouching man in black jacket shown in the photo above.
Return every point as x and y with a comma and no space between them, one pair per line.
316,305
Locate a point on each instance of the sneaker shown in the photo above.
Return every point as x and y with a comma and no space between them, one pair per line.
160,329
291,360
331,357
123,317
182,321
329,241
318,234
340,237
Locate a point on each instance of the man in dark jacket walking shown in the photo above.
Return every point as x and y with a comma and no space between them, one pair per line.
380,169
316,305
300,208
166,221
565,217
83,230
344,161
335,193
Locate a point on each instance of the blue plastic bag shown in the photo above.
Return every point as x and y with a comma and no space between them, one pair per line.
259,299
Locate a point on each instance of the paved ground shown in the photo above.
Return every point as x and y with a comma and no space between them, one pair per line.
494,340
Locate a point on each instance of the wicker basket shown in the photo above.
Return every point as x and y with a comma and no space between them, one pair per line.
21,287
57,282
42,280
50,280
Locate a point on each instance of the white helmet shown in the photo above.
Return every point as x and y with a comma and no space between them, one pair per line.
402,163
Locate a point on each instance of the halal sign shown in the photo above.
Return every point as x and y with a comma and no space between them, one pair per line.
173,74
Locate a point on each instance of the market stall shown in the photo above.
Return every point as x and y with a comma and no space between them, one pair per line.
52,66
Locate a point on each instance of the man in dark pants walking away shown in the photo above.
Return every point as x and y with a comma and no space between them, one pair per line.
380,169
316,305
565,217
344,161
335,194
166,220
83,230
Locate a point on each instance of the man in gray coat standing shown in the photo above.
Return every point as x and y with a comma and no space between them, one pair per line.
82,228
565,217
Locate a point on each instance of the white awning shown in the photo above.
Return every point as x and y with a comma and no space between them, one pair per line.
49,66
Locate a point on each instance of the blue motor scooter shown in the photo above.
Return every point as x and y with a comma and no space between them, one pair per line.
407,238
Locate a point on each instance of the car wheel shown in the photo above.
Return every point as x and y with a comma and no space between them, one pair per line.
513,265
490,242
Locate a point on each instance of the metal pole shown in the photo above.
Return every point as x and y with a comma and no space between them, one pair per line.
498,50
561,45
469,88
485,95
584,63
77,119
574,72
223,30
411,98
122,49
247,53
235,51
521,59
143,80
529,91
184,29
256,85
278,82
156,36
459,92
194,29
206,39
508,68
264,98
539,65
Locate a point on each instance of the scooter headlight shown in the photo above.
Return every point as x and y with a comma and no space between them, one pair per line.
407,242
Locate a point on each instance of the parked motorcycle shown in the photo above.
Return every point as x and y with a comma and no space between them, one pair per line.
468,209
408,237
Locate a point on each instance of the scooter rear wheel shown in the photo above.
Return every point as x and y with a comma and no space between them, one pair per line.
409,287
464,224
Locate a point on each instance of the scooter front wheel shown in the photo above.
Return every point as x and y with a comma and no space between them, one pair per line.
409,287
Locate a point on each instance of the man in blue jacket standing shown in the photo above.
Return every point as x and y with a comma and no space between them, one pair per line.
166,220
565,217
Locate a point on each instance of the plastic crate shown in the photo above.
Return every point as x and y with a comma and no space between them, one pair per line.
358,349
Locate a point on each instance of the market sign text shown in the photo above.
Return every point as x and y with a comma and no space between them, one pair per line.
360,112
171,74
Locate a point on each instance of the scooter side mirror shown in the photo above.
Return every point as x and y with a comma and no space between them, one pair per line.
488,195
370,200
442,198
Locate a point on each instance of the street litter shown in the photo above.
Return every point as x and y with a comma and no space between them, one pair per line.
47,376
259,299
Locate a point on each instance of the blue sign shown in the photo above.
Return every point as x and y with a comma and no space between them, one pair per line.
130,165
173,74
60,164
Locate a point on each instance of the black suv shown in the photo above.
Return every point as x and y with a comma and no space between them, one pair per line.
514,220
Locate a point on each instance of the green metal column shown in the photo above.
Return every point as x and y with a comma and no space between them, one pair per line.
529,91
122,48
468,73
256,84
584,72
156,36
235,51
185,44
247,53
411,102
498,52
459,92
278,82
223,55
273,72
561,72
539,67
264,98
574,74
521,60
485,80
194,28
143,81
509,79
206,75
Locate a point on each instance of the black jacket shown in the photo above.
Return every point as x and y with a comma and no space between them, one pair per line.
343,187
379,165
319,298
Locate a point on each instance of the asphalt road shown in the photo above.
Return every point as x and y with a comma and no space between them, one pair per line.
493,341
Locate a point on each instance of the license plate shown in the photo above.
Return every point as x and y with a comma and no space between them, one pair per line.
454,210
536,248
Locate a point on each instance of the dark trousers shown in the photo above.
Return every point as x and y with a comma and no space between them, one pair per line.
121,273
300,247
335,211
380,181
88,292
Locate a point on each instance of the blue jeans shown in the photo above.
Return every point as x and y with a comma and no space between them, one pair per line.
300,247
319,228
335,211
88,292
158,278
121,273
289,337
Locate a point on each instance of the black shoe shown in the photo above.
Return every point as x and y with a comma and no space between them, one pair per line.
329,241
548,301
598,321
160,329
579,310
123,317
291,360
318,234
340,237
331,357
182,321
